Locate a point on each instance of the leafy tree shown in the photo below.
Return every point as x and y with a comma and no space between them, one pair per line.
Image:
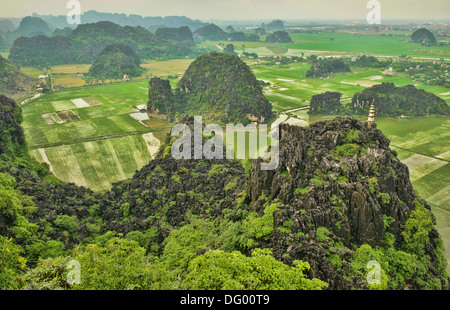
120,265
220,270
229,49
12,263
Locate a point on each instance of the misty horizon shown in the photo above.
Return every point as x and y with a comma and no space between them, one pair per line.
242,10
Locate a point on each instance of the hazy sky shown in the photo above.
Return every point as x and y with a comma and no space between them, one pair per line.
239,9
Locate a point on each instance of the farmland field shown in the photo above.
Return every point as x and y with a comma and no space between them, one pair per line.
354,43
68,76
99,163
91,136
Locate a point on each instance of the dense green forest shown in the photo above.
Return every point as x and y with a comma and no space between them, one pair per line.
87,41
219,87
115,61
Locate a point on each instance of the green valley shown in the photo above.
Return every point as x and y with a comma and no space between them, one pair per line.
88,174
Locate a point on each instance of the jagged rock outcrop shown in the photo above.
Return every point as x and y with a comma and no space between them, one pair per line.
14,83
10,117
220,87
167,192
337,179
160,96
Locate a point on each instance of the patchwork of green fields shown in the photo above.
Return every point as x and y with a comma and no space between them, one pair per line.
290,88
93,136
354,43
97,164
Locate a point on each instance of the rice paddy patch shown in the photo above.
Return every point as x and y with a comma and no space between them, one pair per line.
152,143
440,197
51,118
92,101
140,116
80,103
435,185
374,78
361,83
445,156
427,166
156,124
68,116
417,160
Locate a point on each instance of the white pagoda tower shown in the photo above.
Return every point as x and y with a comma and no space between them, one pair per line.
372,113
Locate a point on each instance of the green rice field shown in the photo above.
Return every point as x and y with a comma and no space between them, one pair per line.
93,136
353,43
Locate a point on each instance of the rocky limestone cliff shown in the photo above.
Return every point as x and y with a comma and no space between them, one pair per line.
10,117
14,83
339,177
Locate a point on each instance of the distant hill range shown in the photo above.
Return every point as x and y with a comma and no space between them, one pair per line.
389,100
28,27
32,26
212,32
92,16
273,25
87,41
14,83
51,25
182,35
